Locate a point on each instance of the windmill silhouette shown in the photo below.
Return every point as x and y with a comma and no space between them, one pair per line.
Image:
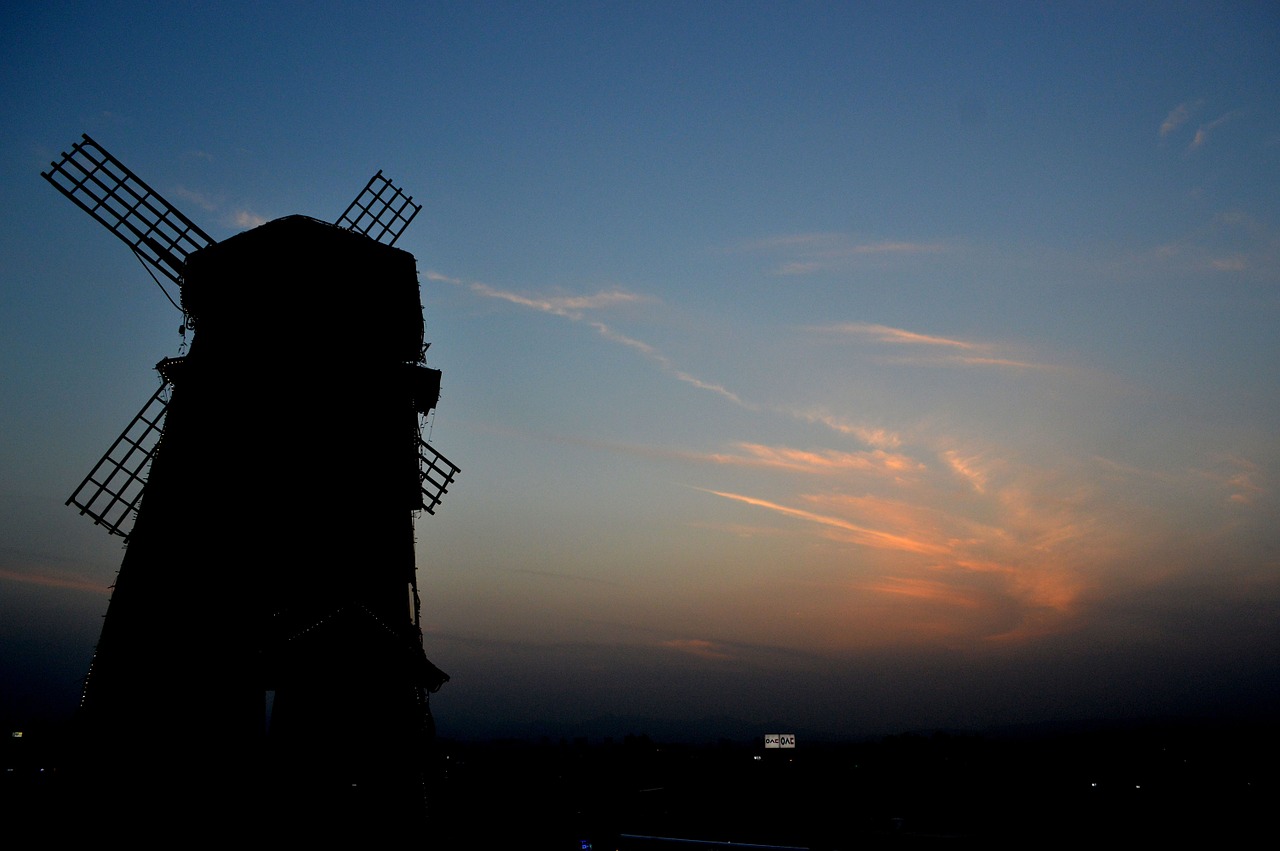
262,650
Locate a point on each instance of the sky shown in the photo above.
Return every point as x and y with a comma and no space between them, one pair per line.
845,368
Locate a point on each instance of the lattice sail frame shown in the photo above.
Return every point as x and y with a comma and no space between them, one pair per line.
435,474
111,492
107,190
380,211
161,235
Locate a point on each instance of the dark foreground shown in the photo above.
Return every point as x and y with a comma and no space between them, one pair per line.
1148,784
911,791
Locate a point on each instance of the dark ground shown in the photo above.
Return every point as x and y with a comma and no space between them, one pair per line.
1148,784
1144,783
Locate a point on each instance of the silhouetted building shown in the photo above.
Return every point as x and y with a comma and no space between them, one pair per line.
260,665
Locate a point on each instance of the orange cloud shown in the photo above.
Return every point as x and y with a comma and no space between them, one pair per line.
699,647
72,583
1035,537
925,590
979,354
967,468
1242,480
878,437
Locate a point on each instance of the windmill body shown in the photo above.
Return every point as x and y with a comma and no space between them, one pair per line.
261,653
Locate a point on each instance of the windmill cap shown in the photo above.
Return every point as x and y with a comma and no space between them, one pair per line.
307,276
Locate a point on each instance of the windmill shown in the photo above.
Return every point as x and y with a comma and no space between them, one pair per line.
262,650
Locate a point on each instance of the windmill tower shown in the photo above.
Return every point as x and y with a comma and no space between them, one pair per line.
261,656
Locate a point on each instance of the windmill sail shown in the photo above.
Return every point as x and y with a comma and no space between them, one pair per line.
435,473
111,492
381,211
104,188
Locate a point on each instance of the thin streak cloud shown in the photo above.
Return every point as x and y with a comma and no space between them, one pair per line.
983,354
570,307
886,334
822,462
958,360
574,309
860,534
967,468
877,437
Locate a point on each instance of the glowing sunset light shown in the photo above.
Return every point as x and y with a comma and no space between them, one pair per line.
809,362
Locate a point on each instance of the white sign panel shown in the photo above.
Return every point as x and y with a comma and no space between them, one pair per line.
779,740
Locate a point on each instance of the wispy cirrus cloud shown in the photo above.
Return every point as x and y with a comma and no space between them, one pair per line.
200,199
1231,242
967,467
241,218
852,532
1178,116
878,437
246,219
965,360
964,352
1002,567
873,465
995,549
818,252
1203,131
576,308
789,240
1241,479
570,307
899,336
925,590
1183,112
820,462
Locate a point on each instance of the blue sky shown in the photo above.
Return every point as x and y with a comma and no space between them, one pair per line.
853,367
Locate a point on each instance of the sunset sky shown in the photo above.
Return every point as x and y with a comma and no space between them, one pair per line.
843,367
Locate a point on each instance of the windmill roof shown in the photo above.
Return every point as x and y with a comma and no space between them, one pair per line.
307,275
